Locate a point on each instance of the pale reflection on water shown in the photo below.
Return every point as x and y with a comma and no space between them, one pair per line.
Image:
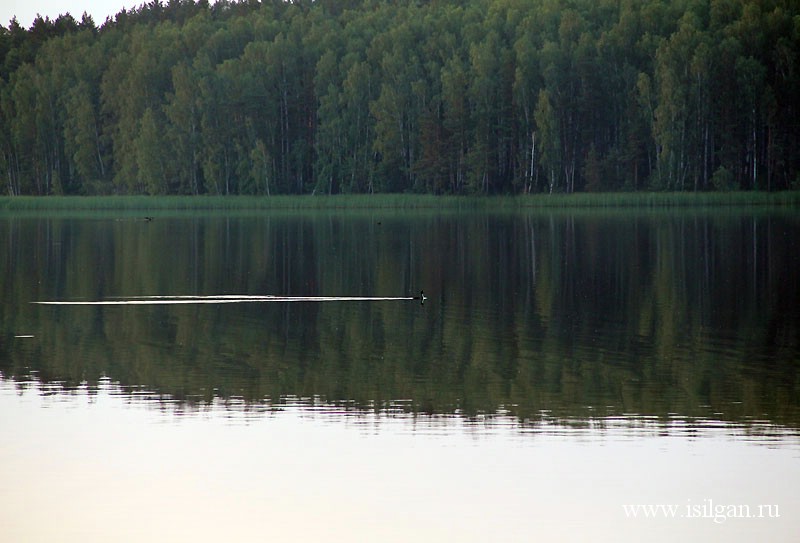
106,464
237,410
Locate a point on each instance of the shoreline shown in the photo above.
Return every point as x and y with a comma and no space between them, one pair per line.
619,200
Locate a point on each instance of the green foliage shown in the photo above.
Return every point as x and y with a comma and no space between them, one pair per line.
483,97
149,150
722,179
115,205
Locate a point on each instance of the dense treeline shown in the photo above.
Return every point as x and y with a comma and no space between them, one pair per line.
485,96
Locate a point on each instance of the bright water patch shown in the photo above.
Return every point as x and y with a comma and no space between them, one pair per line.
110,464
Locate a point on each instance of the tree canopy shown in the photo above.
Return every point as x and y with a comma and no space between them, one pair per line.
443,97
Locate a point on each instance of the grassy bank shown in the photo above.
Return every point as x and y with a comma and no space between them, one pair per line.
650,200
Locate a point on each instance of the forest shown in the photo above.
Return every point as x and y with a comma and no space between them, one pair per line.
435,97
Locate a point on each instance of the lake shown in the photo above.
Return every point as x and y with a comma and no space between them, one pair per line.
571,375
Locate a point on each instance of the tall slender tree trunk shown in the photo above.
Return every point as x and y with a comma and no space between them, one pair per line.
533,161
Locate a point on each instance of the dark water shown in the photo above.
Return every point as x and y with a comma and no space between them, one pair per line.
571,316
634,329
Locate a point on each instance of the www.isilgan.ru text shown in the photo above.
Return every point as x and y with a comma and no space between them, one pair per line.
704,509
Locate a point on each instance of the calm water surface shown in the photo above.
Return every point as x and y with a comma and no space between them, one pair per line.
568,375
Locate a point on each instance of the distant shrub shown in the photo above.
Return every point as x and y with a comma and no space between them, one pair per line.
723,180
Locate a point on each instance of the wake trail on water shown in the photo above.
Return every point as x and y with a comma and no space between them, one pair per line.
222,299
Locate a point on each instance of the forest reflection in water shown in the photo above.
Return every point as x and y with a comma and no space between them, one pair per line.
656,322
